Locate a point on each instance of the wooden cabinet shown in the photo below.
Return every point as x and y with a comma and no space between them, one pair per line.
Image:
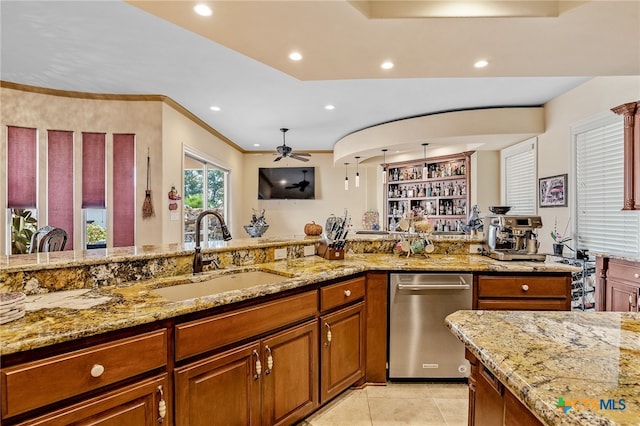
631,192
523,292
620,280
272,381
342,330
343,350
139,404
491,403
77,372
439,192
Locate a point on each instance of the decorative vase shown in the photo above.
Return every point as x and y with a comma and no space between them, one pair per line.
558,249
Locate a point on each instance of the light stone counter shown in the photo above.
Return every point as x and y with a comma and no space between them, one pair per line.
582,357
60,316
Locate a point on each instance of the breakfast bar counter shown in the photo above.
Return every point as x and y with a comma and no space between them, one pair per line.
567,368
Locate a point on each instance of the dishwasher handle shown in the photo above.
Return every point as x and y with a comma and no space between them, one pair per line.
434,287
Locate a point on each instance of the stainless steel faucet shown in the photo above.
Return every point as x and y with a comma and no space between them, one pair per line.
197,258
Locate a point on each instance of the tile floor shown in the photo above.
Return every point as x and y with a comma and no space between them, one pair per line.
419,404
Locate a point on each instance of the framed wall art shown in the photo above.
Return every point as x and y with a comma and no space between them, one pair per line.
552,191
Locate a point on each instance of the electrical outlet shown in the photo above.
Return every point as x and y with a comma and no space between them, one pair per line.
280,253
309,250
475,248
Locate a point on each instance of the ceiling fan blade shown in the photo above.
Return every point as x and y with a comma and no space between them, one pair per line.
298,158
306,154
278,158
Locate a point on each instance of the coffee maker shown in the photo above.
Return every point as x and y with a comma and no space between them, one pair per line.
513,237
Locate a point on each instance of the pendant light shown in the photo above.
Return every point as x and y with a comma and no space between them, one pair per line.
425,169
357,173
346,177
384,166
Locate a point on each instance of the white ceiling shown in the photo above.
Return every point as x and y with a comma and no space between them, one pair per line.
117,47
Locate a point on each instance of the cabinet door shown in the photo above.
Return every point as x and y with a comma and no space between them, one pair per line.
290,374
134,405
621,297
489,403
220,390
343,350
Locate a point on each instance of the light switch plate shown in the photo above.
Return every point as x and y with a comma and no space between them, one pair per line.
280,253
309,250
175,216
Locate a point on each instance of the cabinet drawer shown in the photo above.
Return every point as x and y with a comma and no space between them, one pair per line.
523,287
38,383
203,335
624,271
341,293
528,304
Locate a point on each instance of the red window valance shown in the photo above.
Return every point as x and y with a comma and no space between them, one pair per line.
22,167
93,170
124,194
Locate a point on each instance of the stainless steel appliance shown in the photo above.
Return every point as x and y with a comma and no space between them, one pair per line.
420,344
512,237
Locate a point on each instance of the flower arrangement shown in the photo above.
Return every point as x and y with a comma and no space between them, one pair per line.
557,237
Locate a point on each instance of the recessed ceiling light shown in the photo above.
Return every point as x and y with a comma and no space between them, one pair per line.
256,144
481,63
215,108
329,107
295,56
387,65
202,10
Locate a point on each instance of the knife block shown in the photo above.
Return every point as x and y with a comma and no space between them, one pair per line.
330,253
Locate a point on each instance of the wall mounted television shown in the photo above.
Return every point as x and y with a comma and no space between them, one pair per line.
286,183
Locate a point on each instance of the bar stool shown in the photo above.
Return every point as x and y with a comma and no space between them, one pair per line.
48,239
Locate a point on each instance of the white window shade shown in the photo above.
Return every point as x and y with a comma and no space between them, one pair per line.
601,225
519,177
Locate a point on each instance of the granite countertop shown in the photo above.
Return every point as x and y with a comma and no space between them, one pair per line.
61,316
582,357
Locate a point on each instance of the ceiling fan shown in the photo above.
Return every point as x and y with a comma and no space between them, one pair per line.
302,185
286,151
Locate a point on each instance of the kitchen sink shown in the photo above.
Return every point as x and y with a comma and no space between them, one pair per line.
219,284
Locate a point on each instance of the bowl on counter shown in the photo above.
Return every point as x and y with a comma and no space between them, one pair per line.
499,209
256,230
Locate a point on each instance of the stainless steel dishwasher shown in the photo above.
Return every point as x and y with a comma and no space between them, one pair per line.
420,344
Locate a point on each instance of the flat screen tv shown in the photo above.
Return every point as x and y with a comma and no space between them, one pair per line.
286,183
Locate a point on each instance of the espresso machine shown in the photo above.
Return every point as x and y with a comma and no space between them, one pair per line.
513,237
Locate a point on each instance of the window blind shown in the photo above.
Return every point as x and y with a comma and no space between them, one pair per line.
60,182
124,190
93,170
22,169
519,178
601,225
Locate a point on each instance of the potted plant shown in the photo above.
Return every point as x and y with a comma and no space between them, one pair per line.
23,225
560,240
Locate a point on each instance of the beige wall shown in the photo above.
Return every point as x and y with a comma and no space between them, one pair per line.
166,131
288,217
49,112
179,132
595,97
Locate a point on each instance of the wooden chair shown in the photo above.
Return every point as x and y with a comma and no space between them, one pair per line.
48,239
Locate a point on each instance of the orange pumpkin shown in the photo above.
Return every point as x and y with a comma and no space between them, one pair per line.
312,229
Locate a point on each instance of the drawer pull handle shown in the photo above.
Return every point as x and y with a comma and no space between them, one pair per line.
347,293
269,360
162,406
525,287
97,370
258,366
328,342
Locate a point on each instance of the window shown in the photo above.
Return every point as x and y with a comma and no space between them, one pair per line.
205,187
22,184
94,189
518,165
601,226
